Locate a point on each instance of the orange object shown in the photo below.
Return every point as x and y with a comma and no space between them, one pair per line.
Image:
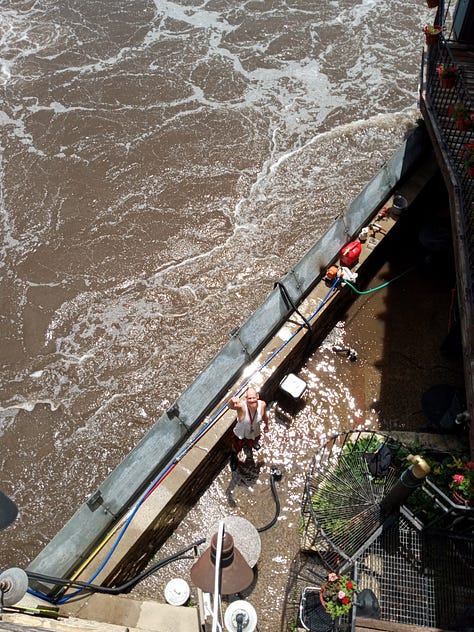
349,254
332,272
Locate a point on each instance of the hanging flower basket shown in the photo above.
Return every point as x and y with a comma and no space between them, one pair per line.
463,124
462,115
447,82
467,156
432,33
447,75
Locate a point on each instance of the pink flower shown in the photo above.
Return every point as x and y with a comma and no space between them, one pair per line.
470,465
332,577
458,478
341,594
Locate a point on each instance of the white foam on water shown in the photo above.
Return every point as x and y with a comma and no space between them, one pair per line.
183,164
29,405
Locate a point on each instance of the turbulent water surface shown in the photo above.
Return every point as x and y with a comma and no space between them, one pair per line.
162,164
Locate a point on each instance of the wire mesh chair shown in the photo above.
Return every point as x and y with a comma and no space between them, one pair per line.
312,614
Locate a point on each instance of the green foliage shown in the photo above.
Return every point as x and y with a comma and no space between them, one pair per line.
446,70
432,29
467,154
454,473
338,594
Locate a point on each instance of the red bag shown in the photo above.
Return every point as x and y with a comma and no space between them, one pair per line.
349,254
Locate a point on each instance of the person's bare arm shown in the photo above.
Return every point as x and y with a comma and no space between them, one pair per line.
236,404
265,417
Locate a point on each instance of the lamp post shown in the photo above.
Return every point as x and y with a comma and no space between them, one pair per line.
411,479
222,569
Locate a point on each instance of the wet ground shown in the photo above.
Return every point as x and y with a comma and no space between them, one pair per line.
404,341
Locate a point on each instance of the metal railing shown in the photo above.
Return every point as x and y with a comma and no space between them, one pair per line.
442,102
452,137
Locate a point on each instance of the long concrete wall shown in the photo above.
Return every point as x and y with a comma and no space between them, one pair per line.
152,454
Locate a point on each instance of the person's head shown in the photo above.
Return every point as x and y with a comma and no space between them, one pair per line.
252,396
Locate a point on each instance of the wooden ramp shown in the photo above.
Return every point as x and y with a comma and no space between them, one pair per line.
373,625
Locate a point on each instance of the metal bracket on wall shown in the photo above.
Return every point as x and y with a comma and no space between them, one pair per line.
298,283
96,501
235,334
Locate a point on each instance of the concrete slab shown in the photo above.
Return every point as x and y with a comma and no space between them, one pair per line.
442,442
134,616
142,615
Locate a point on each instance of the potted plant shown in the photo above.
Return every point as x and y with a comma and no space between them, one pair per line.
462,483
447,74
432,33
337,594
462,114
454,474
467,155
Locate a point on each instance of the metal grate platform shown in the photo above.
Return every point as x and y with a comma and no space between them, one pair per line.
414,582
393,567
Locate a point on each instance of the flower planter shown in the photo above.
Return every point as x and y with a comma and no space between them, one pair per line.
432,3
460,500
337,594
321,598
432,38
447,82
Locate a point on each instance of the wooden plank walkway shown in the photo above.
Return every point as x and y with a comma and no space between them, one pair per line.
374,625
464,58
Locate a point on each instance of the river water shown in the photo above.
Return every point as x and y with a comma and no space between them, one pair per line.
162,165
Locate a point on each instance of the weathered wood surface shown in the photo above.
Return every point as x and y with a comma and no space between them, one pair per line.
374,625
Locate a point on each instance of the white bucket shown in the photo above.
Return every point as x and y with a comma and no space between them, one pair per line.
177,592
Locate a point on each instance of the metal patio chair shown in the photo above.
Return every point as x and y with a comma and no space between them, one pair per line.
313,616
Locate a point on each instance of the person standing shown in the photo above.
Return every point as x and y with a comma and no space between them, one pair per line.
251,412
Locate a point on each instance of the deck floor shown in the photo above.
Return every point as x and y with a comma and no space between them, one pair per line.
370,625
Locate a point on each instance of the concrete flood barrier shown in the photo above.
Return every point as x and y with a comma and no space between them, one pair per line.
166,444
